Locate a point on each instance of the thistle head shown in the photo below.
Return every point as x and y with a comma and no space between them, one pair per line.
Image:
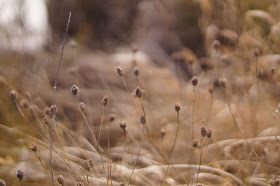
138,92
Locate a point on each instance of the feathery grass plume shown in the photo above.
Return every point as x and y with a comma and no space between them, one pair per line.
195,143
2,183
60,179
54,94
20,175
136,71
13,95
138,92
120,71
75,90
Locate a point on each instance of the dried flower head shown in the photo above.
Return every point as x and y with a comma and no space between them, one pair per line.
123,125
82,106
136,71
177,107
105,100
256,52
13,95
46,119
91,163
138,92
223,82
2,183
211,88
112,117
209,133
53,109
194,81
20,174
47,111
216,44
60,179
195,143
75,90
143,119
163,131
120,71
80,184
33,147
203,131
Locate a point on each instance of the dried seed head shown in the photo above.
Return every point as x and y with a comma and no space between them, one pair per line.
195,143
13,95
91,163
194,81
276,182
105,100
75,90
20,174
60,179
53,109
33,147
216,44
177,107
2,183
123,125
46,119
209,133
143,119
138,92
112,117
82,106
260,73
203,131
136,71
223,82
47,111
211,88
80,184
120,71
256,52
163,131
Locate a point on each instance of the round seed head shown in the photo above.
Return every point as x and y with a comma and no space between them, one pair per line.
138,92
33,147
123,125
163,131
60,179
20,174
195,143
216,44
112,117
120,71
223,82
80,184
75,90
203,131
46,119
105,100
143,119
194,81
2,183
211,89
53,109
209,133
276,182
256,52
177,107
136,71
13,95
82,106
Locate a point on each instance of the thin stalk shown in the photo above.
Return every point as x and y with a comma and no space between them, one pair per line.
200,160
54,94
102,118
193,112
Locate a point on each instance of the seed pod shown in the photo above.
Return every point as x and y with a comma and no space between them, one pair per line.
105,100
177,107
194,81
53,109
123,125
20,174
120,71
195,143
209,133
13,95
143,119
138,92
75,90
60,179
33,147
216,44
203,131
